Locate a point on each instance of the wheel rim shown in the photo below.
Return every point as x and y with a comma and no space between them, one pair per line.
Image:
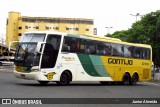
64,79
134,79
126,79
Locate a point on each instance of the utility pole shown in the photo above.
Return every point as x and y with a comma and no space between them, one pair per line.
136,15
109,28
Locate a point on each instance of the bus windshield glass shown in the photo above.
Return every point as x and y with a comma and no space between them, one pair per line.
33,37
26,55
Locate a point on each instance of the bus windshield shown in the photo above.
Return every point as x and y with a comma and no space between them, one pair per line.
26,55
33,37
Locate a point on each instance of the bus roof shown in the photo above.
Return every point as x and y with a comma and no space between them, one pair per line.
94,37
103,38
46,32
109,39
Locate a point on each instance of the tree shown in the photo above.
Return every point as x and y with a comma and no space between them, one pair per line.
145,31
119,34
156,46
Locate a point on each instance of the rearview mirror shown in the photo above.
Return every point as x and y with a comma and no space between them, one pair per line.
39,47
12,45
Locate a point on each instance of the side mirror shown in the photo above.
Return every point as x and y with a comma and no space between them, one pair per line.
12,45
39,47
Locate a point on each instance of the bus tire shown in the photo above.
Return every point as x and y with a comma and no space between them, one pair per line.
126,79
65,78
134,79
43,82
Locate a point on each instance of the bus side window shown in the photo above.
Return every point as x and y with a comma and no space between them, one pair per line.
117,50
103,48
138,53
107,49
128,51
97,51
66,44
91,47
100,48
54,40
146,54
82,46
75,45
87,47
66,48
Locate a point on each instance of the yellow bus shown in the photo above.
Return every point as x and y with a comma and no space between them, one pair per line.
62,58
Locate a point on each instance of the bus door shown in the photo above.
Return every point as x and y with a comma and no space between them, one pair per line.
50,52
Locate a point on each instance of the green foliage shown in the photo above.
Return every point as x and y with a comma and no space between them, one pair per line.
119,34
145,31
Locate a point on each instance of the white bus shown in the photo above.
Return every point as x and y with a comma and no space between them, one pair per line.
62,58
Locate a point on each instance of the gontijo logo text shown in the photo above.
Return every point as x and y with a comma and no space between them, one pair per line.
120,61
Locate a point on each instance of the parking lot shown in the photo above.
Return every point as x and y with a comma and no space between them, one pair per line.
12,87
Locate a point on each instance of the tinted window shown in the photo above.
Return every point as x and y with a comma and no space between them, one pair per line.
117,50
146,54
50,53
70,44
107,48
82,46
103,48
129,51
54,40
142,53
138,52
87,46
90,47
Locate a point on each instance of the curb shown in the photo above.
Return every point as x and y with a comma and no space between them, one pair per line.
154,81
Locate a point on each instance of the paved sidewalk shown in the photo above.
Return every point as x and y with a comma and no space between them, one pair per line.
154,81
9,68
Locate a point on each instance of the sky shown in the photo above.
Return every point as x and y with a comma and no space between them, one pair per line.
106,13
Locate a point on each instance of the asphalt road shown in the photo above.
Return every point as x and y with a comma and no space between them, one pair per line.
11,87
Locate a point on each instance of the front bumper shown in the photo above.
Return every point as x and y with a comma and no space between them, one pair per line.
28,76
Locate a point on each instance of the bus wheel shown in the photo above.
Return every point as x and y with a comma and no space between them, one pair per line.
43,82
134,79
65,79
126,79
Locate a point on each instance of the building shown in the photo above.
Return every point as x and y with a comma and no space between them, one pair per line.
17,25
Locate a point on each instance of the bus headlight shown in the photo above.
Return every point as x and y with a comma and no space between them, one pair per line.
35,69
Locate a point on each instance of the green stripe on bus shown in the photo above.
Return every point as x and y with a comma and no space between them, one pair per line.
99,66
87,65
